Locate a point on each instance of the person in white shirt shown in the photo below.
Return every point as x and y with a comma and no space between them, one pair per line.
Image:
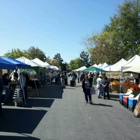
99,86
22,80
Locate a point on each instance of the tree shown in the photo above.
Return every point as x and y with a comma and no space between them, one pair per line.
106,49
85,58
119,39
64,66
73,65
58,58
55,63
126,24
35,52
16,53
49,61
76,63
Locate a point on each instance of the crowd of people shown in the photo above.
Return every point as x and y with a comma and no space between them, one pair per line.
5,85
59,78
88,84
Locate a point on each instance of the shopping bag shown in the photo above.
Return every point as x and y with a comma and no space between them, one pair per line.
92,90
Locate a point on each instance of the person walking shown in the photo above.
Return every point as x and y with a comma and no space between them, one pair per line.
90,76
1,89
105,85
82,77
66,78
99,86
26,85
86,89
78,77
6,83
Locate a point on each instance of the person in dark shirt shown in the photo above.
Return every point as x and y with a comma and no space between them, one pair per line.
6,82
86,89
1,89
105,85
82,76
90,76
26,85
15,75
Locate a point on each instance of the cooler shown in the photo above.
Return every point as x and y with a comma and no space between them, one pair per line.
121,98
125,101
132,103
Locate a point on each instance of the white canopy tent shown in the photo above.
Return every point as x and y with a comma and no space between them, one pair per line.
54,67
117,66
134,61
39,62
48,65
95,65
81,68
135,69
99,65
103,65
29,62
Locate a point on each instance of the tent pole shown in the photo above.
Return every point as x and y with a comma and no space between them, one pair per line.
36,88
121,81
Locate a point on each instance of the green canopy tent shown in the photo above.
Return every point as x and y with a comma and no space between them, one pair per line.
93,69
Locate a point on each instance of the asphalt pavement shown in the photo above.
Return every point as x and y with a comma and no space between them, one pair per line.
63,114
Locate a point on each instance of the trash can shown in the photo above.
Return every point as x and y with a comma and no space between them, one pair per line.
72,83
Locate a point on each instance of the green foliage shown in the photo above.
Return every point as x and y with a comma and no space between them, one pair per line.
16,53
119,39
55,63
35,52
75,64
64,66
85,58
58,58
31,53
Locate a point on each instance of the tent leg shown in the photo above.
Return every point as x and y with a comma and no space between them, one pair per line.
36,88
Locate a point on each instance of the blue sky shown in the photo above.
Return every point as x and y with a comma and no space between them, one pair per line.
54,26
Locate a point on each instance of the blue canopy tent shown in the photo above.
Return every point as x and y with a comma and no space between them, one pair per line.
4,64
19,65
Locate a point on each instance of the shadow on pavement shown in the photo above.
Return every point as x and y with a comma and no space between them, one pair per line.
20,120
51,91
102,105
17,138
114,96
114,99
40,102
69,88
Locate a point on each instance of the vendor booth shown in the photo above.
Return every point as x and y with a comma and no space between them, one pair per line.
10,63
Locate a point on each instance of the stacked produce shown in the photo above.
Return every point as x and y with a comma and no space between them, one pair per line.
115,82
127,84
134,87
115,85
